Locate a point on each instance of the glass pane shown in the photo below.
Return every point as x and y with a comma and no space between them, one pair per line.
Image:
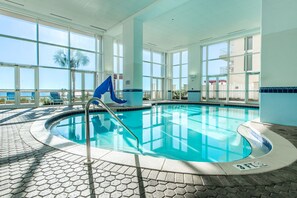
82,41
236,64
249,43
7,78
222,88
256,43
146,55
82,60
27,97
217,67
146,69
176,58
184,83
218,51
204,68
146,84
121,84
157,70
27,78
53,56
12,26
253,62
237,47
47,79
78,80
115,65
253,87
184,71
184,57
17,51
212,86
53,98
121,50
237,87
53,35
121,66
157,57
204,53
7,98
115,49
175,84
176,71
89,81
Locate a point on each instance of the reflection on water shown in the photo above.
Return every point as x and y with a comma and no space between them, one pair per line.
184,132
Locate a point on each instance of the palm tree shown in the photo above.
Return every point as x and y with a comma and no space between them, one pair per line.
75,61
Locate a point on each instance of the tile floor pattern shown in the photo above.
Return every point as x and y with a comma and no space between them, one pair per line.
31,169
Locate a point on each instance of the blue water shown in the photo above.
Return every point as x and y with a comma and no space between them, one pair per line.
184,132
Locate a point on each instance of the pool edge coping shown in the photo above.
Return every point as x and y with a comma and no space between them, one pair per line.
277,158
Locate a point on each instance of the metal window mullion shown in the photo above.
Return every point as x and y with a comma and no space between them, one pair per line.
206,66
228,72
69,69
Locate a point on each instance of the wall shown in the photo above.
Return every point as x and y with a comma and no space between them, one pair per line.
278,102
194,69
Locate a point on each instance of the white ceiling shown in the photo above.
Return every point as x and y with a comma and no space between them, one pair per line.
167,23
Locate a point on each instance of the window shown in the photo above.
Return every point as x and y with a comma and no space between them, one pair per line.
180,75
72,57
153,74
118,59
226,68
17,51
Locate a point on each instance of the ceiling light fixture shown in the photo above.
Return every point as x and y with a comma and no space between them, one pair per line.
19,4
151,44
99,28
62,17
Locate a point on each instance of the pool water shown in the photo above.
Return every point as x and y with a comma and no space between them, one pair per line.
182,132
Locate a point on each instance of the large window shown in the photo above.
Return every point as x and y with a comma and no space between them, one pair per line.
118,68
66,60
231,70
153,75
180,75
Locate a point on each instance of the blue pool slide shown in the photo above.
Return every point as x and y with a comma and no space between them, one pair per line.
105,87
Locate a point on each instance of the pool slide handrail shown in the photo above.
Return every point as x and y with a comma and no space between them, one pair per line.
87,118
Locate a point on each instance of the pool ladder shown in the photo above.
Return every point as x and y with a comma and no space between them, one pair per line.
87,118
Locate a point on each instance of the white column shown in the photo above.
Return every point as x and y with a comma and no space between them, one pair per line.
107,67
279,62
132,45
194,69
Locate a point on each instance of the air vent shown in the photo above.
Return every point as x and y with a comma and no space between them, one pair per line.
99,28
151,44
206,39
234,32
62,17
16,3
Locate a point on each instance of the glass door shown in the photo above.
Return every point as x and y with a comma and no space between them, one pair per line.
157,85
7,87
217,88
25,88
253,87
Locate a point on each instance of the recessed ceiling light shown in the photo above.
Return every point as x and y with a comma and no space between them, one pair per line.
99,28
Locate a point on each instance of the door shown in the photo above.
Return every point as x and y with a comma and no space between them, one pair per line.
26,87
217,88
7,87
17,87
157,91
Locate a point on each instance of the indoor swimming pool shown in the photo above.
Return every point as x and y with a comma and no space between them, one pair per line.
189,132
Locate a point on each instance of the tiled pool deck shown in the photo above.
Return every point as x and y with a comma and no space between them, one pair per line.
29,168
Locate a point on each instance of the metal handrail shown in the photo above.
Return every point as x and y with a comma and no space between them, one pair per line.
87,118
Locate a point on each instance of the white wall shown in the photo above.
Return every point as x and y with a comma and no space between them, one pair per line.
194,67
279,43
